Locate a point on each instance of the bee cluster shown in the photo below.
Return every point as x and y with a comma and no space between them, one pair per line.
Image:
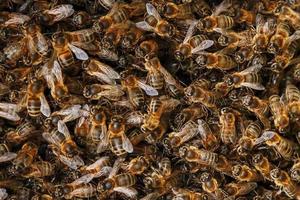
158,99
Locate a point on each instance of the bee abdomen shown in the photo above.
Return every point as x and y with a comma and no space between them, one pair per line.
225,22
33,107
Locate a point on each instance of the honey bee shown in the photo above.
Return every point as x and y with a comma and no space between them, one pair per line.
193,154
81,20
96,91
247,78
259,107
209,183
192,44
295,171
9,111
177,11
35,100
154,77
243,15
19,74
264,30
154,23
102,71
71,190
3,193
6,154
296,73
263,165
138,165
114,34
216,61
283,180
292,97
208,139
131,38
239,189
56,14
186,194
244,54
245,173
115,138
228,120
280,38
283,146
279,112
289,15
147,49
21,133
134,88
118,182
119,13
13,52
40,169
25,156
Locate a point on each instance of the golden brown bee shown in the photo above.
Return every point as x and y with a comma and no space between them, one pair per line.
13,52
134,88
138,165
40,169
155,77
81,20
295,171
35,100
147,49
154,23
283,180
209,183
264,30
246,16
19,74
5,153
289,15
210,23
192,44
259,107
131,38
26,155
177,11
21,133
56,14
97,91
280,38
208,139
228,120
12,19
263,165
283,146
247,78
216,61
119,13
239,189
292,96
243,54
245,173
72,190
193,154
279,112
114,34
185,194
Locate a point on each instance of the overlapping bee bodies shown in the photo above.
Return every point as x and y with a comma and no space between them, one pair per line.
149,99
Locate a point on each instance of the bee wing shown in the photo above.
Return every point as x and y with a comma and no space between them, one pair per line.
202,46
264,137
255,86
144,26
103,144
62,127
79,53
128,191
48,138
151,10
7,156
73,163
104,78
41,44
61,12
116,167
68,111
223,6
16,19
109,71
252,69
3,193
201,129
97,163
10,116
127,145
83,179
56,70
190,32
294,36
45,108
81,121
151,91
151,196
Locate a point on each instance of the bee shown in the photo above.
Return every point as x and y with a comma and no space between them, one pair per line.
296,73
96,91
147,49
155,77
118,182
283,180
13,52
131,38
208,138
209,183
13,19
138,165
244,54
247,78
157,107
154,23
289,15
116,138
5,153
72,190
177,11
134,88
192,44
3,193
22,133
295,171
279,112
283,146
119,13
73,162
245,173
81,19
56,14
9,111
40,169
201,156
264,30
246,16
186,194
263,165
26,156
35,100
280,38
228,120
216,61
239,189
292,97
19,74
259,107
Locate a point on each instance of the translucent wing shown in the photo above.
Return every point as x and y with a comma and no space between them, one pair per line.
98,163
116,167
151,91
81,121
45,108
61,12
56,70
103,144
189,32
151,196
294,36
3,193
202,46
79,53
255,86
144,26
222,7
16,19
127,145
103,77
128,191
7,156
109,71
151,10
10,116
62,127
201,128
41,43
47,137
85,189
252,69
68,111
265,136
83,179
73,163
